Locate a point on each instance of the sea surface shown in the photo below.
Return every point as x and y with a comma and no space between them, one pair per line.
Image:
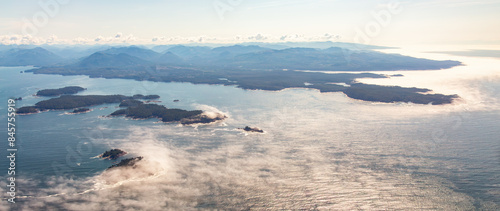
319,150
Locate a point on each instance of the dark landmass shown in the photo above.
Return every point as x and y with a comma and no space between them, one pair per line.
279,80
202,119
131,102
252,129
61,91
113,154
391,94
80,110
134,108
257,67
28,110
146,97
74,101
129,162
147,111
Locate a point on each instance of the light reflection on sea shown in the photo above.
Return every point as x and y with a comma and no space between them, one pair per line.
320,151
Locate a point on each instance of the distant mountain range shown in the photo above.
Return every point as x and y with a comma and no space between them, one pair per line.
249,67
235,57
105,60
22,57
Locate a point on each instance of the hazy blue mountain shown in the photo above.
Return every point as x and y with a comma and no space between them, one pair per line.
36,56
101,60
71,52
275,46
329,44
238,49
5,47
319,45
169,58
135,51
190,52
252,57
161,48
332,59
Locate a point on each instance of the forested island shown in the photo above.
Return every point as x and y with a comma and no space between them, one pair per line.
28,110
392,94
135,108
146,111
78,101
61,91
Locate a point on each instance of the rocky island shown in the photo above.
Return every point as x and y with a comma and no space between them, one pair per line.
252,129
112,154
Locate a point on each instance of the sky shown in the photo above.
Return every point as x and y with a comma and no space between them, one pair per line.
382,22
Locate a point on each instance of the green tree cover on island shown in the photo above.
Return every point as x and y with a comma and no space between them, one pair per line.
146,111
135,108
131,102
78,101
60,91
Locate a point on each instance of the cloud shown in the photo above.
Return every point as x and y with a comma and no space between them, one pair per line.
23,40
99,38
120,38
258,37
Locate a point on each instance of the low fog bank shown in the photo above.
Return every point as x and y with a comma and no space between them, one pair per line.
306,160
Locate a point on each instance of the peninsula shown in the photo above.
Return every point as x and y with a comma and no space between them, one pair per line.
261,68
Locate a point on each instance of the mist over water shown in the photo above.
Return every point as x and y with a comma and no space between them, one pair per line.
319,150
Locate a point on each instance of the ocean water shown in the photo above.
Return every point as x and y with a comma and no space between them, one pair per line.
319,150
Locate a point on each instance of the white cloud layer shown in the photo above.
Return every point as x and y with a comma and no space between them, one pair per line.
120,38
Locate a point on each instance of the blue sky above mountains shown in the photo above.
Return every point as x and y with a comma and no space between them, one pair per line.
229,21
